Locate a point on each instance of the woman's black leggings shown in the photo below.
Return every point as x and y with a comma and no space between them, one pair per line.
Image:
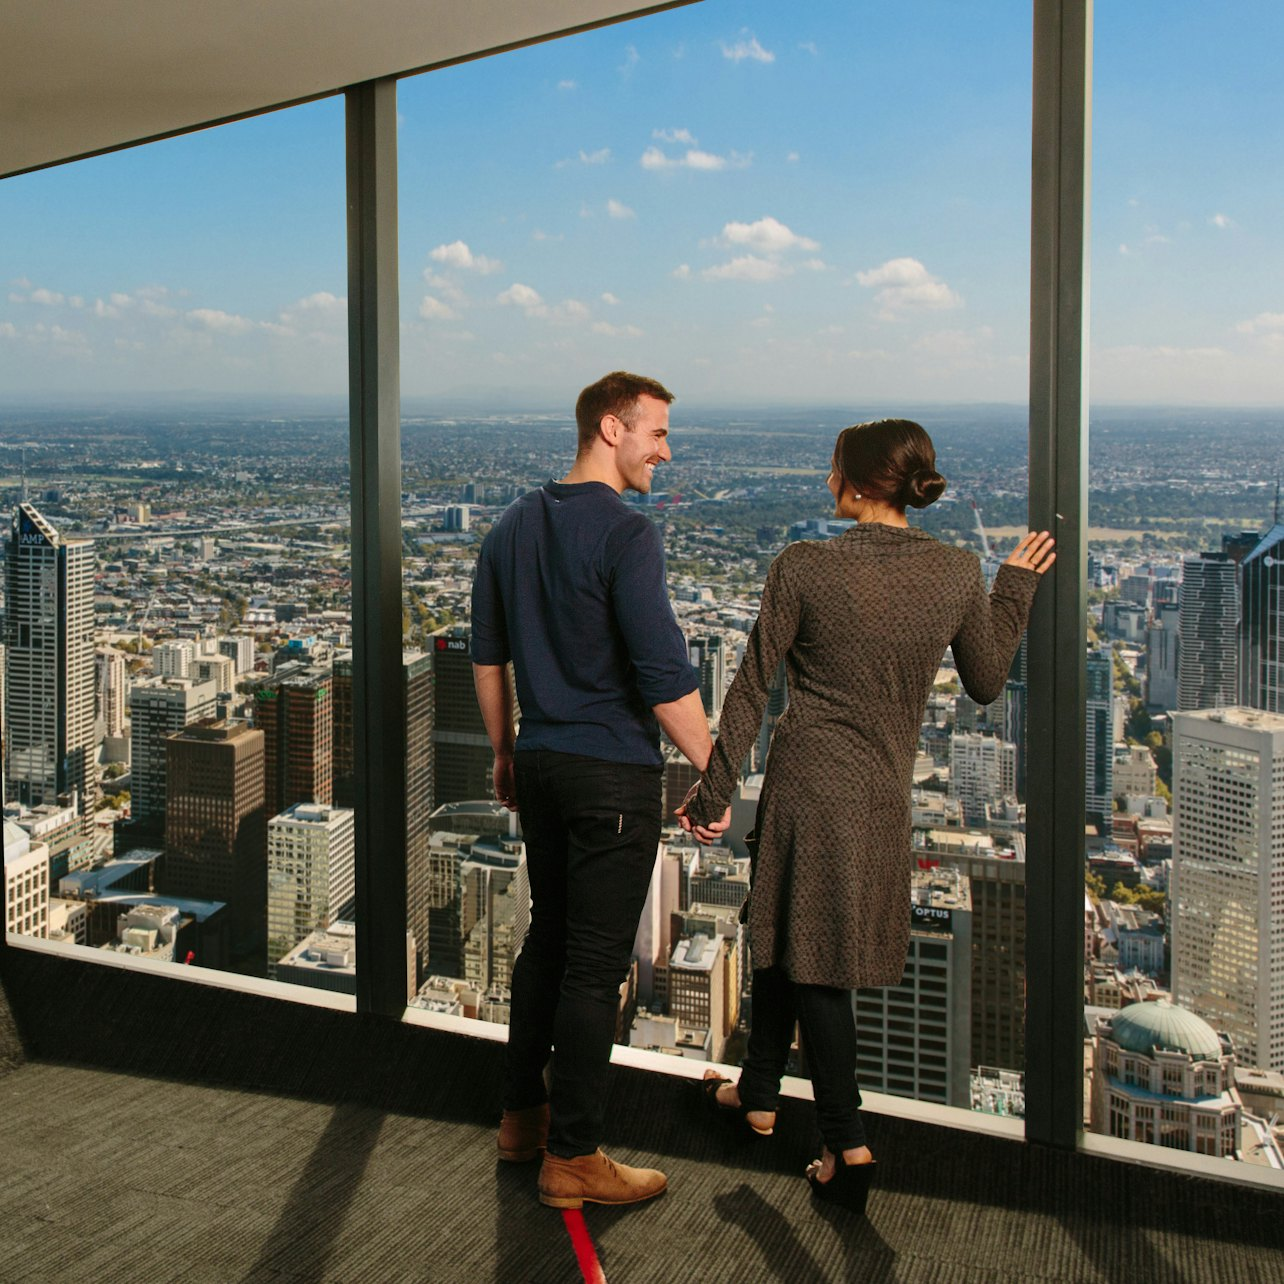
828,1028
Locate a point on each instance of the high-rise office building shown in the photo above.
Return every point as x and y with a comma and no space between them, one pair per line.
708,654
703,990
462,758
50,696
997,889
216,828
1100,747
240,649
112,681
1261,624
417,670
777,702
914,1039
1012,726
1206,667
174,659
1162,649
1227,889
311,875
296,715
158,707
982,773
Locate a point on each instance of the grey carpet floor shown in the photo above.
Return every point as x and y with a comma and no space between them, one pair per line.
118,1177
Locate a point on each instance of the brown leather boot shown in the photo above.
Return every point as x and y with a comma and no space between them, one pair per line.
523,1133
595,1179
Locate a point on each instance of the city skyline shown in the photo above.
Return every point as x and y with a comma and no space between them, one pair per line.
758,204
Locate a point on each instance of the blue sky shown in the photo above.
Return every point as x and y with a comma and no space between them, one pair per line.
755,202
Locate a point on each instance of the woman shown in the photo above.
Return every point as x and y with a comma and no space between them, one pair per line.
862,622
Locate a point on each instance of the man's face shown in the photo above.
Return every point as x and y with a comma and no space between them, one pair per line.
638,450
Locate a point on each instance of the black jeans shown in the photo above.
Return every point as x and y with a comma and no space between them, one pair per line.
828,1027
592,829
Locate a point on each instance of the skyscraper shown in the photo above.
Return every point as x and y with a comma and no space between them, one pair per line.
1227,889
982,772
462,758
417,669
914,1038
216,828
158,708
1162,649
707,654
1208,624
50,688
295,714
311,875
1261,624
112,681
1099,797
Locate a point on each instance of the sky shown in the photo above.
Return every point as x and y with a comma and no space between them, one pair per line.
758,203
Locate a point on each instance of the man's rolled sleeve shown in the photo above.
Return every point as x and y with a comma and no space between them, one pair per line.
489,625
641,604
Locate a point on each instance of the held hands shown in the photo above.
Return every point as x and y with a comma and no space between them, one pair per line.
704,834
1033,553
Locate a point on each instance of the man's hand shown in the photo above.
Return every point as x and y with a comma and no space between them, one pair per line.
505,783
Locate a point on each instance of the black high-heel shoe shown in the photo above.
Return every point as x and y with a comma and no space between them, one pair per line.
709,1094
848,1187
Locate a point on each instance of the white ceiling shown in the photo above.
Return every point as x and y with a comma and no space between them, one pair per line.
84,76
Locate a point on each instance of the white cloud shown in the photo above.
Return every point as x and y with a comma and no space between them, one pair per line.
808,46
815,265
631,60
599,157
617,209
121,300
792,158
608,297
432,309
1222,221
747,47
106,311
748,267
458,255
567,84
617,331
768,236
443,285
693,158
570,310
682,272
8,330
220,322
1262,322
955,344
906,285
1123,249
321,303
675,136
523,296
76,301
48,297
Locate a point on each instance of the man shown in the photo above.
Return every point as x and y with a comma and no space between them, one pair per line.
570,586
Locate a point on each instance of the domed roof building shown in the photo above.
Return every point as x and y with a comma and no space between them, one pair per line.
1163,1075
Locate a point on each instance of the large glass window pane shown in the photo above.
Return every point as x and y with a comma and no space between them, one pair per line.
796,221
173,353
1185,973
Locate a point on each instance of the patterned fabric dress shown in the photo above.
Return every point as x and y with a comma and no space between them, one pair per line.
862,622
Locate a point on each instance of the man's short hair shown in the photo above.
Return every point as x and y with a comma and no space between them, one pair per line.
614,394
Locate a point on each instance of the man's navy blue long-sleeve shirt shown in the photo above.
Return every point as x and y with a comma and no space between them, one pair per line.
570,586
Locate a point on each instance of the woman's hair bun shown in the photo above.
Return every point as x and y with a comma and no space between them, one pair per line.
922,487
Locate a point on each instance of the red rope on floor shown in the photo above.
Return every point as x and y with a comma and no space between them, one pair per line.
582,1242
